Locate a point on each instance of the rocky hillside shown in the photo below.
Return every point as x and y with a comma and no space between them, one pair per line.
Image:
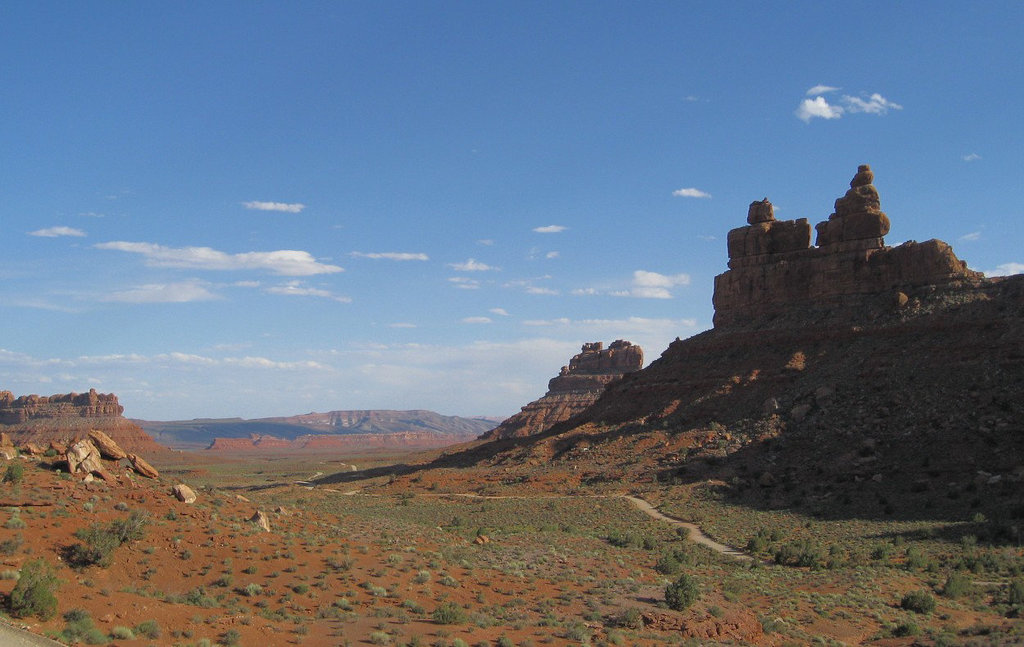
849,377
64,417
575,388
364,429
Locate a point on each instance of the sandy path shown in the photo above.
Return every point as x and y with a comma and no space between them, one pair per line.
695,535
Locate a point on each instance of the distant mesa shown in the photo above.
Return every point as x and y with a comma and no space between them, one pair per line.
773,268
39,420
576,387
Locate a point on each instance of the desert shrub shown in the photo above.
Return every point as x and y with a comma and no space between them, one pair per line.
79,628
422,577
122,633
15,522
679,595
1015,594
380,638
11,546
667,564
14,474
908,628
150,629
630,618
449,613
919,601
35,592
957,585
505,641
231,637
798,553
99,541
252,590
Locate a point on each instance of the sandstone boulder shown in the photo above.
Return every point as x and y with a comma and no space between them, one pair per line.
106,445
760,211
33,449
261,520
142,467
184,493
83,457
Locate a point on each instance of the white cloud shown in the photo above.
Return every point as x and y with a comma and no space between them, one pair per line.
974,235
298,289
533,289
464,283
876,104
285,262
392,256
652,285
471,265
486,242
551,255
971,157
690,193
821,89
286,207
550,229
498,311
181,292
585,292
817,107
402,324
1006,269
54,232
476,320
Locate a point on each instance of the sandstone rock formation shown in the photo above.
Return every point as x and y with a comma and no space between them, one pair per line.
261,520
773,269
65,417
577,386
106,445
142,467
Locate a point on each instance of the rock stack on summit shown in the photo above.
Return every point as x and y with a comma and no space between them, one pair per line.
773,269
575,388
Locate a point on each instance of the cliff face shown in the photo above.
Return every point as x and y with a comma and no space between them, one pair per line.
773,270
62,417
575,388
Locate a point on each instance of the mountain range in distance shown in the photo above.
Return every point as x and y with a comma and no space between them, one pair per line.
355,430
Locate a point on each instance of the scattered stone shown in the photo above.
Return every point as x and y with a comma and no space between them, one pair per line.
33,449
261,520
481,540
281,510
239,497
771,407
83,457
8,453
799,412
184,493
108,448
142,467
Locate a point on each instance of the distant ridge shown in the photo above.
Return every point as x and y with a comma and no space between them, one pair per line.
349,429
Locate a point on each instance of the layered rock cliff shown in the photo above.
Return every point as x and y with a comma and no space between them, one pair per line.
63,417
576,387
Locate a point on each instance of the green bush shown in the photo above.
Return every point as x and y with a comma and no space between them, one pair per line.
668,564
35,592
957,585
122,633
919,601
799,553
99,541
1015,594
15,473
231,637
449,613
679,595
150,629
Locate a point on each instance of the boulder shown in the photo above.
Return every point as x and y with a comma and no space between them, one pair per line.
261,520
106,445
184,493
142,467
83,457
33,449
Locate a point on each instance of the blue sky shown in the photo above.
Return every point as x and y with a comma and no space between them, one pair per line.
258,209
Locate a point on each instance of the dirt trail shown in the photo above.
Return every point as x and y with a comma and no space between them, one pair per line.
695,535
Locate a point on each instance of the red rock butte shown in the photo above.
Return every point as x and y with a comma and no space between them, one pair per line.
576,387
773,267
64,417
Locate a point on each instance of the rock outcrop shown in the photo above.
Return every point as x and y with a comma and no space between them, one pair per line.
773,270
575,388
65,417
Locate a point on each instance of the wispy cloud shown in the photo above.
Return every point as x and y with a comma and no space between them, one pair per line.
464,283
487,242
54,232
285,262
652,285
401,324
476,320
820,108
690,193
299,289
551,255
180,292
286,207
1006,269
971,157
392,256
550,229
974,235
821,89
534,289
471,265
498,311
